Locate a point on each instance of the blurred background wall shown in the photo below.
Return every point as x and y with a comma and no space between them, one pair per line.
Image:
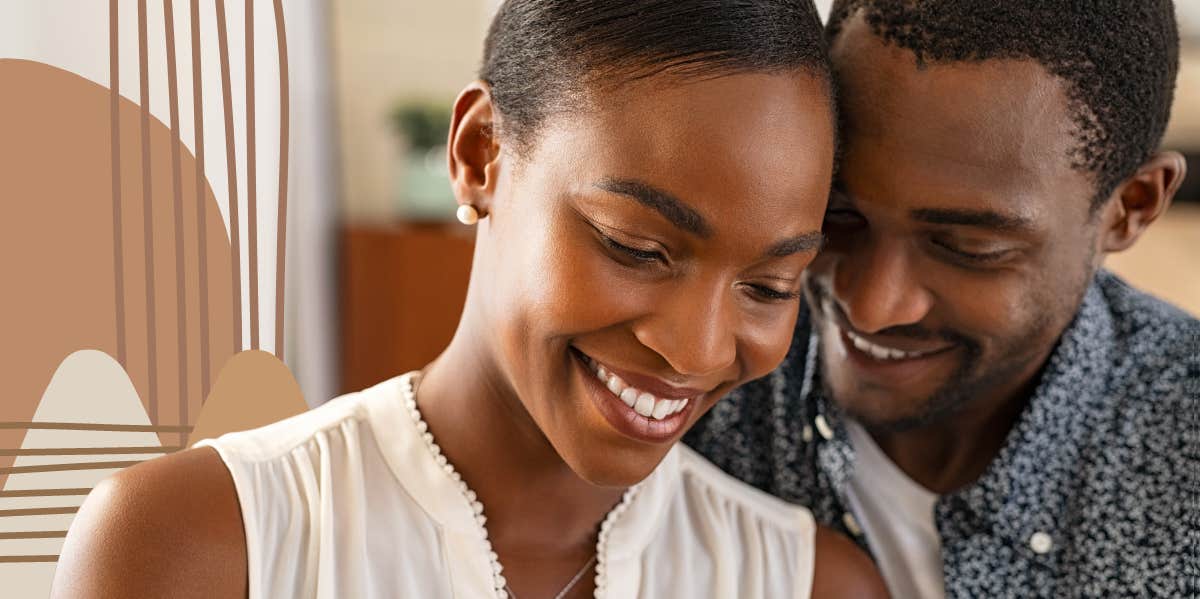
388,53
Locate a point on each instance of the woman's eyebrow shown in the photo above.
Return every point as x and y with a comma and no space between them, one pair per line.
805,242
672,208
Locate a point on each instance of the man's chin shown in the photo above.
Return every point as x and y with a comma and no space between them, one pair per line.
893,403
886,412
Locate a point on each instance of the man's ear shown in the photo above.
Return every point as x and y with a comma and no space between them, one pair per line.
473,149
1140,200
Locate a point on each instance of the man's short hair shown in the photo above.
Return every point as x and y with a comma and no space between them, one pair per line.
1118,59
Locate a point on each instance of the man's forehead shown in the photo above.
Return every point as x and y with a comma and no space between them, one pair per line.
992,119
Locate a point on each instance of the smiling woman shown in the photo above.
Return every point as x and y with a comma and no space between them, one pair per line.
648,179
658,259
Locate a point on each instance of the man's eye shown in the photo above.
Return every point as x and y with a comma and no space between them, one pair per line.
979,258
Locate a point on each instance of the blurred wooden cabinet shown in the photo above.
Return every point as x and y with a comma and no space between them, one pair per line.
401,294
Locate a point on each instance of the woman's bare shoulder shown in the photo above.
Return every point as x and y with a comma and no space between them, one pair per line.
169,527
843,570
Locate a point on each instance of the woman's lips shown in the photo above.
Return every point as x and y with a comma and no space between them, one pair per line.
635,412
657,405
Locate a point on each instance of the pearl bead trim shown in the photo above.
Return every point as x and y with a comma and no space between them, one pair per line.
499,583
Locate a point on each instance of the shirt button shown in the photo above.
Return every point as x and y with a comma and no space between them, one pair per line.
823,427
1041,543
852,524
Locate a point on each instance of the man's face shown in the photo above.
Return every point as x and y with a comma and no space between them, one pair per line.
960,237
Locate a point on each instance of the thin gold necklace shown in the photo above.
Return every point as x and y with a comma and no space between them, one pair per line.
570,585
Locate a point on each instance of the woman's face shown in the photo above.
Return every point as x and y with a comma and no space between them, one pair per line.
648,251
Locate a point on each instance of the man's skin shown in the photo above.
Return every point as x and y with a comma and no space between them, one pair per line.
959,231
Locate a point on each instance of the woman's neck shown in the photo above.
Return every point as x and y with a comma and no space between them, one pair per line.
535,504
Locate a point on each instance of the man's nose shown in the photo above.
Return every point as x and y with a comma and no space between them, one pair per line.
878,287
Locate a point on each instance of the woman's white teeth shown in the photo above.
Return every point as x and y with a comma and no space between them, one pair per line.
645,405
878,351
661,409
642,402
617,387
629,395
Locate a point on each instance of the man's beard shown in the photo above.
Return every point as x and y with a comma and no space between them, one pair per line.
968,383
971,380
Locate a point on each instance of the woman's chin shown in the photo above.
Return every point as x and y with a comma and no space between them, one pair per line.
615,469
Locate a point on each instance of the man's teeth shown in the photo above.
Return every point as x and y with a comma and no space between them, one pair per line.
879,352
645,404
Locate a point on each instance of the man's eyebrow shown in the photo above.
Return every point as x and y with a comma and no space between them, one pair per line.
671,207
984,219
807,242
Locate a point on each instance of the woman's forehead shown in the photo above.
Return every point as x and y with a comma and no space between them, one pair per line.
768,136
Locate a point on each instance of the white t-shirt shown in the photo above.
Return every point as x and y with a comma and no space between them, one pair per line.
347,500
896,514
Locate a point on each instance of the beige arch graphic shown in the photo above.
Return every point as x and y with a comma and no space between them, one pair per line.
58,462
152,276
231,159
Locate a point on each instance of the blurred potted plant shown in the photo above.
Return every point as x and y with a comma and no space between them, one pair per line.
424,187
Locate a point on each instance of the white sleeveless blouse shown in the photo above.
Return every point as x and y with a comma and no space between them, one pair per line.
347,500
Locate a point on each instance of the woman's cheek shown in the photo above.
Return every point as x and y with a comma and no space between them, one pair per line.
764,342
590,288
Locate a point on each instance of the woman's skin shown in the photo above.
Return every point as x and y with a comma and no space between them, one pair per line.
661,229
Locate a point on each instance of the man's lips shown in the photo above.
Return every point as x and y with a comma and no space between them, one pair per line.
883,348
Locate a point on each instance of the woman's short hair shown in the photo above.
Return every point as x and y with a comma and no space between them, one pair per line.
542,56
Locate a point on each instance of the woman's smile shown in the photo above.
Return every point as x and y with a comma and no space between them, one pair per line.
653,411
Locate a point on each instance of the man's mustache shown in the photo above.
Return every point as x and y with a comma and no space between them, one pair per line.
915,332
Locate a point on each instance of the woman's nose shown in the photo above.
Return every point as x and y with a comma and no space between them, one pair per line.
694,330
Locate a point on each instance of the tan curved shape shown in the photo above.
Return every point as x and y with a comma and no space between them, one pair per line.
57,245
89,386
254,389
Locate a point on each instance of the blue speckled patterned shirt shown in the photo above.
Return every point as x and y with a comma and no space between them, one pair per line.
1104,460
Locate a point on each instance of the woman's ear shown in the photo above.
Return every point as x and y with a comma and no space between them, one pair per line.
1140,200
473,149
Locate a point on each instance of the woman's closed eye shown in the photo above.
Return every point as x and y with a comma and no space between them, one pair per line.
760,291
646,256
771,294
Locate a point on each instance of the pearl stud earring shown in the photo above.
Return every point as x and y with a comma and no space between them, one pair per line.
467,214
